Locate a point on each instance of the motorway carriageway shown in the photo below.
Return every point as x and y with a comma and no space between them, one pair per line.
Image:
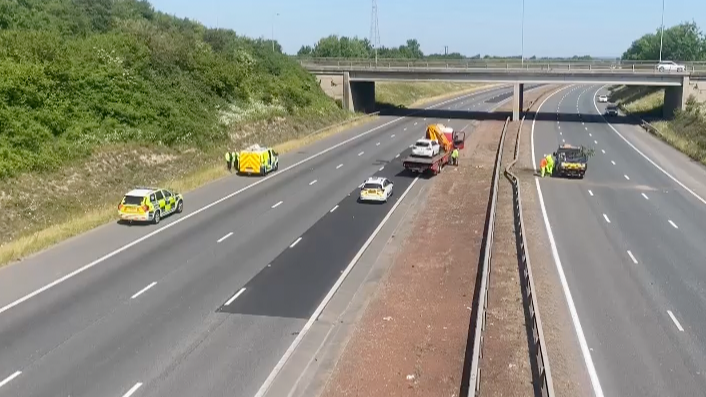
631,242
206,303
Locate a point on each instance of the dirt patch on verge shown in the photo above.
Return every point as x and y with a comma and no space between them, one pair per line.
412,338
568,370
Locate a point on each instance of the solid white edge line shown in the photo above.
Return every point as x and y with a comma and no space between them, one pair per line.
234,297
678,182
334,208
226,236
10,378
295,242
674,225
606,218
595,383
645,196
133,390
142,291
277,204
222,199
275,371
632,257
676,322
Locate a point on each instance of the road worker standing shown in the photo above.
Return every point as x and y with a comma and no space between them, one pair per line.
543,166
229,161
454,157
550,164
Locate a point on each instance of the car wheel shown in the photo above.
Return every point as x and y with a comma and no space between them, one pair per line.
156,218
661,68
680,69
180,207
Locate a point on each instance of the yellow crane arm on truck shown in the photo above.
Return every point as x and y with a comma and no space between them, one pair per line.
434,132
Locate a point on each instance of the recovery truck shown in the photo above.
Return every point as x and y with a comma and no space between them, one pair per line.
448,140
571,161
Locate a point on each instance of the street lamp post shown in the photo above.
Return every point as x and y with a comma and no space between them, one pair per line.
273,30
523,33
661,35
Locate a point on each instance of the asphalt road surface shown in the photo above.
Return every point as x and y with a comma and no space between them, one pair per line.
632,245
206,303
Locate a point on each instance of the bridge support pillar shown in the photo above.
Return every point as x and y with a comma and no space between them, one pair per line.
358,96
675,98
518,100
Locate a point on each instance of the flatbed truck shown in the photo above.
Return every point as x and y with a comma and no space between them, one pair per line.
448,139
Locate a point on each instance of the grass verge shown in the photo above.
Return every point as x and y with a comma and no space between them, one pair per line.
39,211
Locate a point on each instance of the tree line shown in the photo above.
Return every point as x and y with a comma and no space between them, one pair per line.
682,42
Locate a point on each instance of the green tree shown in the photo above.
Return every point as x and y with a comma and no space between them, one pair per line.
683,42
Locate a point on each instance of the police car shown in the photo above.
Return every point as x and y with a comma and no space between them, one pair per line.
149,204
376,188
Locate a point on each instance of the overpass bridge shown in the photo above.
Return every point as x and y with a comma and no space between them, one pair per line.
359,76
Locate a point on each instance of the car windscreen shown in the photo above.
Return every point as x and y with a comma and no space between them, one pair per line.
422,144
372,186
574,156
133,200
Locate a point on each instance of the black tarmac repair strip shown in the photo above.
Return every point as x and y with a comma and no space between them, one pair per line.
294,284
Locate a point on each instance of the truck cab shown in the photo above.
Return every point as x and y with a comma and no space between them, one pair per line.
570,161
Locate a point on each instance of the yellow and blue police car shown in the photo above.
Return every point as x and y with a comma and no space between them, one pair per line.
148,204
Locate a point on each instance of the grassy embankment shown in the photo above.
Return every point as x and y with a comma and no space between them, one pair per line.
686,132
99,96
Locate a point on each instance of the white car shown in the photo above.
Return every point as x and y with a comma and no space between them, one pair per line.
669,66
376,188
426,148
603,98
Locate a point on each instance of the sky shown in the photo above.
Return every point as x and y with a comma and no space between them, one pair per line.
551,27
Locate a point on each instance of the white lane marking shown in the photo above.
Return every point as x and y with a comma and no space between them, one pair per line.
425,119
563,141
559,127
448,121
295,242
133,390
590,192
312,182
632,257
381,168
582,123
377,144
561,133
589,134
10,378
586,128
645,196
339,166
278,204
234,297
405,129
142,291
392,136
361,153
415,123
593,375
397,155
334,208
626,177
612,162
276,370
596,142
674,225
678,182
224,237
222,199
606,218
676,322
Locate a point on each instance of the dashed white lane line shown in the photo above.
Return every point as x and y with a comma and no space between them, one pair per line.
339,166
277,204
589,134
612,162
596,142
632,257
234,297
563,141
590,192
606,218
415,123
361,153
448,121
381,168
295,242
133,389
561,133
626,177
585,128
224,237
377,144
405,129
313,182
425,119
645,196
334,208
674,225
142,291
603,151
392,136
676,322
10,378
397,155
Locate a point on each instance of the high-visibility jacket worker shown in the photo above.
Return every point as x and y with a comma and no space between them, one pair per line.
229,161
454,156
543,165
550,164
236,159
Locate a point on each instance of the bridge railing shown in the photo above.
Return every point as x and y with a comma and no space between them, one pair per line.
618,66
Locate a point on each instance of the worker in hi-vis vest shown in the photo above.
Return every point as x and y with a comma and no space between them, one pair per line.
550,164
229,161
543,166
454,156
